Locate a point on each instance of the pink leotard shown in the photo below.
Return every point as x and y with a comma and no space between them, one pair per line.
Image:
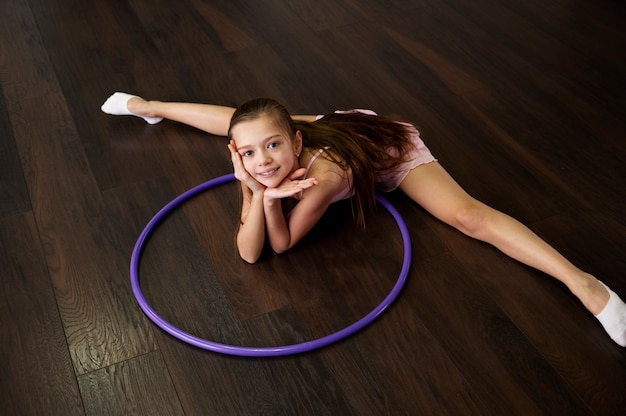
387,181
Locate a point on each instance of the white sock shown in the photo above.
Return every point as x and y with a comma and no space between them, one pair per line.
116,105
613,318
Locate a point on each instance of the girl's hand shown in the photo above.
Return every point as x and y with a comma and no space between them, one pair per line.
240,172
290,186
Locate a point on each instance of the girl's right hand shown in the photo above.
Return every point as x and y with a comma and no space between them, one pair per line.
240,172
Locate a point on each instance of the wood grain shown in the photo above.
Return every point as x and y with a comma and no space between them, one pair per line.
37,376
84,263
522,101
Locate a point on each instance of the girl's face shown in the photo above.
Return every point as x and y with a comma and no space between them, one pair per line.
269,154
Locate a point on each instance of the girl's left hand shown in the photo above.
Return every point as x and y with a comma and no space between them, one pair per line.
290,186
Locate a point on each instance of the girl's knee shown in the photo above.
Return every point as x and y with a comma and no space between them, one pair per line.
473,219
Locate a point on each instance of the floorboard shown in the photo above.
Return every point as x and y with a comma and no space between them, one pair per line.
14,198
36,370
127,388
522,101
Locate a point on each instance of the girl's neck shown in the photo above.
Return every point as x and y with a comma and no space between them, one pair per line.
305,157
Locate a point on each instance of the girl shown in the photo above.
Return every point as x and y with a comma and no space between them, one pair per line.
320,160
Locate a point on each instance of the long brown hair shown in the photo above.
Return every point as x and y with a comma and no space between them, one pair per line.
365,144
253,109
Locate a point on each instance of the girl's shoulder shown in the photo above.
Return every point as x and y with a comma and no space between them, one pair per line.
320,165
331,177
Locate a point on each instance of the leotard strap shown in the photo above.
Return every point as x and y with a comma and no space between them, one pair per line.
315,156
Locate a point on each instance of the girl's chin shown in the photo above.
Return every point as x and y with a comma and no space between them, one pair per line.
273,182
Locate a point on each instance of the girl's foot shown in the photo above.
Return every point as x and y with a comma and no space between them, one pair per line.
117,104
613,318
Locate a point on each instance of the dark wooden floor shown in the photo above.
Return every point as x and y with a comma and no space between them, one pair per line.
524,102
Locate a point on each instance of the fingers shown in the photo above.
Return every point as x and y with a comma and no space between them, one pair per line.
240,171
307,183
235,158
232,146
293,187
290,188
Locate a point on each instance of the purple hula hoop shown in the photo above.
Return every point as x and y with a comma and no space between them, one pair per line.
258,351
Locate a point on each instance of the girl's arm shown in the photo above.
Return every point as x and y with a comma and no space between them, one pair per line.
261,213
251,233
285,232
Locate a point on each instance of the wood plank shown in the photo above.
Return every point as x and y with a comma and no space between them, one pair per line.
81,56
181,284
411,373
528,297
522,102
128,388
14,197
323,15
490,351
68,210
37,373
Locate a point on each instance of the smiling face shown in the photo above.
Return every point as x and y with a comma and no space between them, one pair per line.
268,152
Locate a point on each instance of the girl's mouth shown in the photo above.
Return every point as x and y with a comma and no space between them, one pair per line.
268,173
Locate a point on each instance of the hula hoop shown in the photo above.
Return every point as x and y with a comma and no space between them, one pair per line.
258,351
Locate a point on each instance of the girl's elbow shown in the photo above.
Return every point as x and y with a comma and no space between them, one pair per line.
249,249
250,258
280,248
249,254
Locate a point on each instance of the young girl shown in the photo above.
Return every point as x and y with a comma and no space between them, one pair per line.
319,160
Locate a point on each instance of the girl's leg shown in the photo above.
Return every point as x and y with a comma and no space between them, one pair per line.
213,119
433,188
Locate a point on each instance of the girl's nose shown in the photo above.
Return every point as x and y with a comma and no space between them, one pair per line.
264,159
